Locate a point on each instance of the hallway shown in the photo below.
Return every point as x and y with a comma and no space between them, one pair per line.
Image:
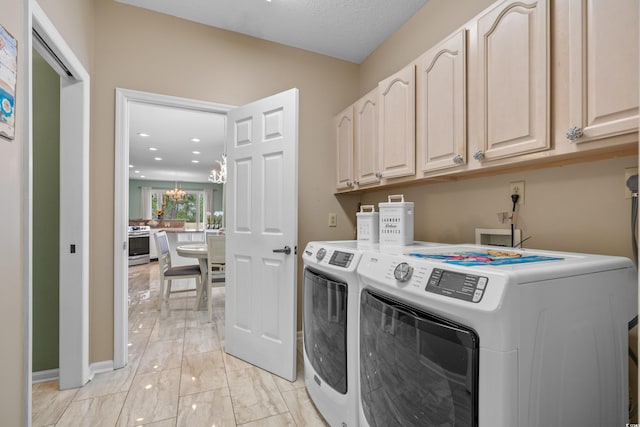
177,375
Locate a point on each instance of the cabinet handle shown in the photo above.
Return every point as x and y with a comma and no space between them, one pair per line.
478,155
349,184
379,175
457,159
574,133
356,182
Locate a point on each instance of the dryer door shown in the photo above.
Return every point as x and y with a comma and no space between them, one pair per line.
416,369
325,328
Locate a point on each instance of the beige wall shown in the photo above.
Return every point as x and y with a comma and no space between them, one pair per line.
431,24
579,208
74,20
12,291
157,53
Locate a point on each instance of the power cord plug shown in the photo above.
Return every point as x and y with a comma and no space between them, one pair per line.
514,199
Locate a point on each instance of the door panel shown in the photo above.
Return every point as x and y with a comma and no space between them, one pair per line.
262,195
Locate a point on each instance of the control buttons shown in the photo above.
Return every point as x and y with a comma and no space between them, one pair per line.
482,283
321,253
403,272
477,295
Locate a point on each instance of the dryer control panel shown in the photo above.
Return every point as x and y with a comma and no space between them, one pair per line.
466,287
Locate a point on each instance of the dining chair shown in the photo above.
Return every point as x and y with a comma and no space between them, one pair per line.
168,273
216,263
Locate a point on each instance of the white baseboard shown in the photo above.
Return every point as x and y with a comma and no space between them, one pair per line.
54,374
44,376
100,367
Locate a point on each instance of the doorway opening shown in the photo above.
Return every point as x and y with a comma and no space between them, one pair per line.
73,225
126,102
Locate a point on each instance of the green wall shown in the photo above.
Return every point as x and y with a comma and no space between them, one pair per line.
46,214
135,193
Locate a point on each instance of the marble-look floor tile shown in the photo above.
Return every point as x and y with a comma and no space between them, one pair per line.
210,408
138,342
48,403
171,422
109,382
285,385
152,397
101,411
202,372
170,328
254,395
143,320
161,355
280,420
232,363
201,340
302,409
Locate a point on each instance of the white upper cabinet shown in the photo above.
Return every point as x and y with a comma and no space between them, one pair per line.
510,74
396,123
441,123
343,125
603,82
367,166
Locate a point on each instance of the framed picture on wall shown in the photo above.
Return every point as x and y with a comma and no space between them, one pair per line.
8,77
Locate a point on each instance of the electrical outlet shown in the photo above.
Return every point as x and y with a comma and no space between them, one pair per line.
333,220
628,173
517,187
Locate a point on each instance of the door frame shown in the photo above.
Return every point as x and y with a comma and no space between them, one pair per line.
74,370
124,98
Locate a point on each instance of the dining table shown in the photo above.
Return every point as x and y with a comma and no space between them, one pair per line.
198,251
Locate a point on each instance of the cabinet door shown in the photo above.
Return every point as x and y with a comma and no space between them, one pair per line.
603,42
512,82
344,146
366,139
441,123
396,115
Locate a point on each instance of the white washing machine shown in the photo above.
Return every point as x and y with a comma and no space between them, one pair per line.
474,336
330,325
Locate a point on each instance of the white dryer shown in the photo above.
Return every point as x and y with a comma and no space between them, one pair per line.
474,336
330,325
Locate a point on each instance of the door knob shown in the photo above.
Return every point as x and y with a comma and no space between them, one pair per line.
286,250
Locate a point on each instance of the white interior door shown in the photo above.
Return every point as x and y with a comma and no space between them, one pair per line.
262,218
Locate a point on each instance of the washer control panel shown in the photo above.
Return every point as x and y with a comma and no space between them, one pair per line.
466,287
341,259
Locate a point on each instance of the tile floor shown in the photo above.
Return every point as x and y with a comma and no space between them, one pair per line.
177,375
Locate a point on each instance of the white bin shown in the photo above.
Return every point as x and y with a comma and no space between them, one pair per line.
396,221
368,224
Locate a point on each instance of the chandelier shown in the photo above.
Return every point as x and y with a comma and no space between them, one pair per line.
219,174
177,194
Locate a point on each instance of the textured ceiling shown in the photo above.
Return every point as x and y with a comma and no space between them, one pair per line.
344,29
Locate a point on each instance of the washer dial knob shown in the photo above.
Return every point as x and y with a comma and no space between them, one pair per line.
321,253
403,272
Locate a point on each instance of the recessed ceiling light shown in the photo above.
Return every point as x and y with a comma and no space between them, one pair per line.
142,134
141,176
153,149
195,161
130,166
195,140
195,152
157,158
136,171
